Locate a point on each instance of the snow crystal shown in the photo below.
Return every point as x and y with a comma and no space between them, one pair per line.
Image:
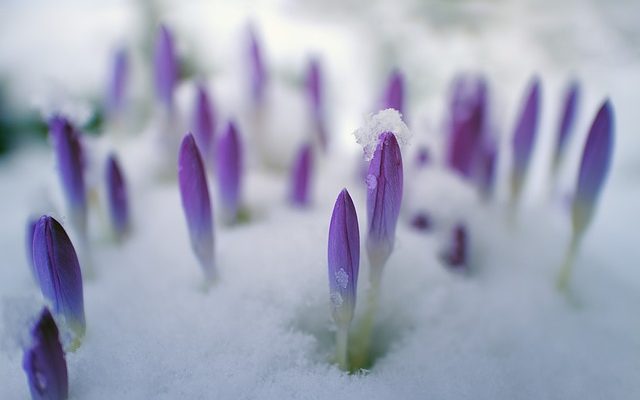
336,299
389,120
342,278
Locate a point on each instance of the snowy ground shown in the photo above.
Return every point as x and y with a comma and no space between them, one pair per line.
264,331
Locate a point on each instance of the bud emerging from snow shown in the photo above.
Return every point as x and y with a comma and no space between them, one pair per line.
196,203
229,167
204,123
44,361
594,167
301,176
117,196
344,258
524,138
384,196
59,276
165,67
316,100
456,254
258,73
567,120
487,168
118,83
69,157
394,94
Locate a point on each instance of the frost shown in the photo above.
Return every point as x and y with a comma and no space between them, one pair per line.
342,278
371,182
388,120
336,299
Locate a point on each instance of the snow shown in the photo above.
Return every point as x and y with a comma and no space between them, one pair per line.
264,330
388,120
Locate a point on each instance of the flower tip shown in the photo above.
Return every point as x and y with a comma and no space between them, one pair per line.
165,65
117,196
229,167
301,176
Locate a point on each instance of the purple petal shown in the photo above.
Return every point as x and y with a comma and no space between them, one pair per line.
467,123
196,204
31,228
384,196
44,361
394,93
524,137
165,66
594,167
68,151
566,121
344,258
455,256
59,273
117,85
316,99
257,68
117,196
301,176
229,166
487,168
204,123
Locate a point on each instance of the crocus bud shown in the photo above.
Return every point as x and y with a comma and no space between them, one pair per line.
229,167
165,67
384,196
421,221
487,168
59,273
567,120
44,361
594,167
258,73
118,82
31,228
344,258
455,254
204,122
316,100
117,196
68,154
196,204
524,138
301,177
468,110
394,93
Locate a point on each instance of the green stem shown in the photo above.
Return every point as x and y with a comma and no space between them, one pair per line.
342,337
567,266
361,356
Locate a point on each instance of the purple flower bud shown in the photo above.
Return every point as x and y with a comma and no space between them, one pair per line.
487,168
44,361
301,176
165,67
196,204
31,228
117,196
257,68
344,258
394,93
119,77
524,138
421,221
59,273
594,167
229,166
467,123
316,100
455,256
566,122
204,122
384,196
69,157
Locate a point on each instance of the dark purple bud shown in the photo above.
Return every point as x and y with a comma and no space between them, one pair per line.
301,177
423,157
316,100
421,221
44,361
204,122
567,120
165,66
455,255
69,157
229,166
344,258
117,196
118,83
394,93
59,273
467,123
384,196
196,203
31,228
524,138
257,68
596,158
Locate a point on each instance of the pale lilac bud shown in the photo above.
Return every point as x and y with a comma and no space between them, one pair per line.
301,176
118,82
567,121
229,168
117,196
165,66
394,92
316,99
258,73
204,123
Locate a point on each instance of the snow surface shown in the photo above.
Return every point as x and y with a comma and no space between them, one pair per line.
265,331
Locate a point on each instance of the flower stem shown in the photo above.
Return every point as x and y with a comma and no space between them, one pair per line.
342,337
567,266
361,356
